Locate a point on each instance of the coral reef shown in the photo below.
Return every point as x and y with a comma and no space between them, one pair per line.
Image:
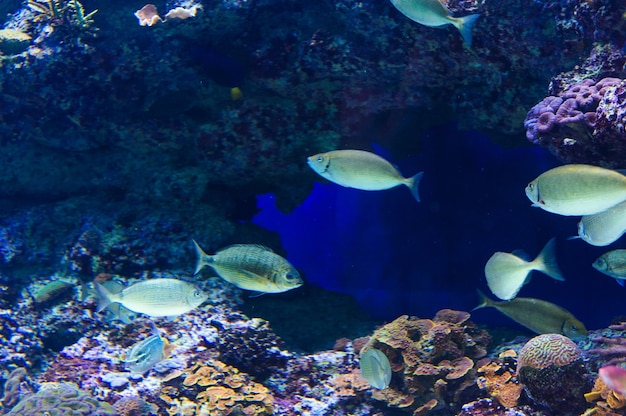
550,367
606,401
216,388
432,360
583,123
61,399
498,378
608,346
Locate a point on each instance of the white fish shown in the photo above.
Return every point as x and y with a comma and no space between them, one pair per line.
155,297
577,190
433,13
375,368
361,170
506,273
251,267
605,227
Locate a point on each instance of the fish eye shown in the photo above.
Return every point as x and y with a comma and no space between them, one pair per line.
290,276
531,186
197,293
320,159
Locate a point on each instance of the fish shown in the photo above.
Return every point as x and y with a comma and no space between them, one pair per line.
145,354
614,377
361,170
538,315
251,267
577,189
375,368
154,297
116,311
605,227
612,264
507,272
433,13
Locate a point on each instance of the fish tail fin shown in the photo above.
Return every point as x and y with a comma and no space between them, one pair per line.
484,301
546,261
413,183
465,25
104,296
203,258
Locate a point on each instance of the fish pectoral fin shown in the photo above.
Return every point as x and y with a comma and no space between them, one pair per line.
246,279
256,294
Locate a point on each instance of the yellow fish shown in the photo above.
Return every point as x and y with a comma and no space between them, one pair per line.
506,273
433,13
538,315
361,170
577,190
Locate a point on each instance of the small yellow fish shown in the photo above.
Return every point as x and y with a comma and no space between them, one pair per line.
433,13
154,297
506,272
605,227
375,368
251,267
538,315
361,170
577,190
612,264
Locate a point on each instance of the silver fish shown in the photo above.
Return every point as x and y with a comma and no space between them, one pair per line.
147,353
433,13
506,272
361,170
251,267
605,227
612,264
577,190
375,368
155,297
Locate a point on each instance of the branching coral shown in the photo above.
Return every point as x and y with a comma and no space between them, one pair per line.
216,388
432,360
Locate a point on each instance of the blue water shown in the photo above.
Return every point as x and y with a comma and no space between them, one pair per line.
396,256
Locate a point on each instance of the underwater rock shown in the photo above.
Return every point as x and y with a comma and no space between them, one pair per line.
498,378
550,367
607,402
13,41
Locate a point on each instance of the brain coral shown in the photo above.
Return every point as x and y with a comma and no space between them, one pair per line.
550,367
61,399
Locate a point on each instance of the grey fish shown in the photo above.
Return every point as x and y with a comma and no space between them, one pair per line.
155,297
361,170
251,267
612,264
506,273
577,190
147,353
538,315
433,13
375,368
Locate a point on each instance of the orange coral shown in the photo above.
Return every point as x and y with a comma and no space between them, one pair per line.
216,388
432,358
498,381
349,384
610,400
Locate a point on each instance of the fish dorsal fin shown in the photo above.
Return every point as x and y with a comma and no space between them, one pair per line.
522,255
262,247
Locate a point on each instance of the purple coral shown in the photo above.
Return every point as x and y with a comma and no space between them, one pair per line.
583,123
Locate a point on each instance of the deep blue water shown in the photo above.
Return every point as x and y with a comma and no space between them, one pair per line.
396,256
